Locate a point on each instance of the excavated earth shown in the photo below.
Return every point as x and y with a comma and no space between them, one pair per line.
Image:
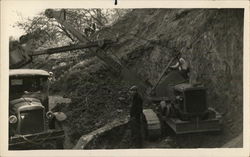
211,40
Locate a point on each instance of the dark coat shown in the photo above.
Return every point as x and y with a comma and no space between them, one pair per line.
136,107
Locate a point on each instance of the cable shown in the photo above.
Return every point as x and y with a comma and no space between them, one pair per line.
37,143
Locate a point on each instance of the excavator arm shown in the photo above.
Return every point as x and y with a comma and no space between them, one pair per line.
115,65
60,17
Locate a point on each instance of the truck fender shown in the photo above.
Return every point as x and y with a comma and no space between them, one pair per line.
60,116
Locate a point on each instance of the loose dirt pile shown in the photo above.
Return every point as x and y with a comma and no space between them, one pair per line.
211,40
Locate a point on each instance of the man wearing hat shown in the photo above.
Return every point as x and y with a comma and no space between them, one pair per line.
135,117
182,66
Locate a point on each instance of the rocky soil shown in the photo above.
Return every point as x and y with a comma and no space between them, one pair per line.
211,40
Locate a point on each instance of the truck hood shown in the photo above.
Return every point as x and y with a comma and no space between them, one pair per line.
25,104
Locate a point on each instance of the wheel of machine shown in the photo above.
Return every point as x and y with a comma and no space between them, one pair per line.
51,123
152,124
58,125
54,124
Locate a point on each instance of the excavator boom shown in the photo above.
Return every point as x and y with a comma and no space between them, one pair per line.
78,46
116,66
60,16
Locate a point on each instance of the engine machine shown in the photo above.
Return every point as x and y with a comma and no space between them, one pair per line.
186,112
189,112
190,101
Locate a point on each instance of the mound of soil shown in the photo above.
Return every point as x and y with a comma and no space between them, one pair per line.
211,40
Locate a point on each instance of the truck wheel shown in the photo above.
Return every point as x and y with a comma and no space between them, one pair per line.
59,142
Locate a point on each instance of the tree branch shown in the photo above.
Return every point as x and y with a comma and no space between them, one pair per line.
95,18
66,32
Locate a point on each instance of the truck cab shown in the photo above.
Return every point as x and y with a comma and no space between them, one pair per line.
28,83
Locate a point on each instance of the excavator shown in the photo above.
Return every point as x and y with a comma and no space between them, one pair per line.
180,105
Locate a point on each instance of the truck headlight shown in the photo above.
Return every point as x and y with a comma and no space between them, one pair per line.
12,119
50,115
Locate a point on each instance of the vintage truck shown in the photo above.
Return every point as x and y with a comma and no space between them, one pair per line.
31,123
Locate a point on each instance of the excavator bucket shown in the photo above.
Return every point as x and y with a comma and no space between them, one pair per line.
18,57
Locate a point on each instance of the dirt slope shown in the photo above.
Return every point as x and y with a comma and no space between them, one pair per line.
211,40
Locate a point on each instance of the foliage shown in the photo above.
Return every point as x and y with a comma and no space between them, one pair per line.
49,33
43,33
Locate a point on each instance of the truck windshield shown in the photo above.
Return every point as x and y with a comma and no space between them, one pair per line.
29,84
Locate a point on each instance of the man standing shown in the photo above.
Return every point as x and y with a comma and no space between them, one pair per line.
135,117
182,66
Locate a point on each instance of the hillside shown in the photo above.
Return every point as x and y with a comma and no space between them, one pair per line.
211,40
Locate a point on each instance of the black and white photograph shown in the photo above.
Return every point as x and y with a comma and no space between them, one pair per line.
125,78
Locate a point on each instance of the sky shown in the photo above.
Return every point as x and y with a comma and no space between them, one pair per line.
19,10
20,14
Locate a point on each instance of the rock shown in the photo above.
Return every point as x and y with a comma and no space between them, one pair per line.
119,110
121,99
86,139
